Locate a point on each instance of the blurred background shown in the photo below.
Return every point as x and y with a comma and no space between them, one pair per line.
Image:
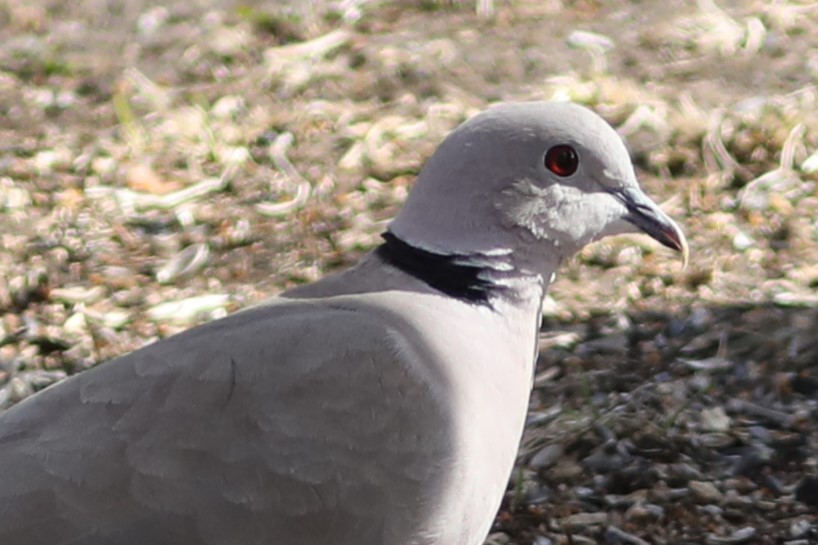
165,164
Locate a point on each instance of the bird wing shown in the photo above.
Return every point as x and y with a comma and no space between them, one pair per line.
296,422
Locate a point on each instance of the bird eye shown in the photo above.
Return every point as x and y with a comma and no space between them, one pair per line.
562,160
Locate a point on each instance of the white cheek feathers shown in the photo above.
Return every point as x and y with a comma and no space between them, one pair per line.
563,215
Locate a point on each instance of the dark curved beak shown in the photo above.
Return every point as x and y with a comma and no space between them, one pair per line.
647,217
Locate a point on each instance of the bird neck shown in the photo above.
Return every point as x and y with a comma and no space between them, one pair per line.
474,277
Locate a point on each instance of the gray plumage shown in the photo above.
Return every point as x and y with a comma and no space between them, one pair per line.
380,406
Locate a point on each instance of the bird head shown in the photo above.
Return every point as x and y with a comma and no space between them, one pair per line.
528,179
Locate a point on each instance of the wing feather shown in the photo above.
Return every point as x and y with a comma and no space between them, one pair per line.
296,423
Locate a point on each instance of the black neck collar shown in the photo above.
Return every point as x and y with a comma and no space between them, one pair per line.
449,274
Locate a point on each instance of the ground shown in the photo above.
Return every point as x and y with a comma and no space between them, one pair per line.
163,165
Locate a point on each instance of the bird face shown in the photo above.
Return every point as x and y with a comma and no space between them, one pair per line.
579,185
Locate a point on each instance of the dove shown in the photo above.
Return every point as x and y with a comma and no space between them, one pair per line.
381,405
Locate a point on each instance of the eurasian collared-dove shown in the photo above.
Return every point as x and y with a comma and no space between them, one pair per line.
379,406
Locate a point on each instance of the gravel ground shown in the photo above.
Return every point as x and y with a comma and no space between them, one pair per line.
161,166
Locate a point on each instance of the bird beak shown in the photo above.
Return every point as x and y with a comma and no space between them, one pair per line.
647,217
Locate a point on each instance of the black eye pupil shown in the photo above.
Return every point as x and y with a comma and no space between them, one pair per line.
562,160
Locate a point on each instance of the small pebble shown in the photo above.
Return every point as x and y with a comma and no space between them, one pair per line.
715,440
705,492
18,389
76,325
711,510
742,535
546,456
739,485
580,521
566,469
800,528
644,512
715,419
536,494
617,535
742,241
733,499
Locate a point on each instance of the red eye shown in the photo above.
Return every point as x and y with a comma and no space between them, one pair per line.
562,160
